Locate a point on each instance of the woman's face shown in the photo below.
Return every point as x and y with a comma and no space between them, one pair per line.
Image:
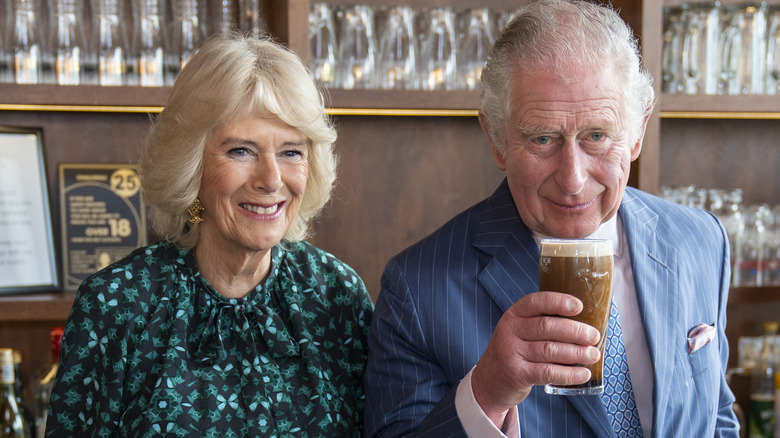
254,177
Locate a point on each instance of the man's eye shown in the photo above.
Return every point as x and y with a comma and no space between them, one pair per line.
543,140
597,136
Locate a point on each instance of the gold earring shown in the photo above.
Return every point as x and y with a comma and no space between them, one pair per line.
194,212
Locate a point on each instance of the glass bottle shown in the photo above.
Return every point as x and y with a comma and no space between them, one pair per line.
12,422
762,385
44,382
752,260
110,42
26,42
19,389
68,43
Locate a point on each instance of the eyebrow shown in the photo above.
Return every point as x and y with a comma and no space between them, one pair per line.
242,141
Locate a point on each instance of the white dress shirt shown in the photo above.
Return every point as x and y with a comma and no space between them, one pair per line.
477,424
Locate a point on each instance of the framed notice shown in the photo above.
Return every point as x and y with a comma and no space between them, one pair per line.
27,260
103,217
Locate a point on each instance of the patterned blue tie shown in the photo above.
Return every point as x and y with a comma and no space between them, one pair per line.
618,396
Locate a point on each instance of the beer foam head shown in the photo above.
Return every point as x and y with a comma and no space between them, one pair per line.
576,248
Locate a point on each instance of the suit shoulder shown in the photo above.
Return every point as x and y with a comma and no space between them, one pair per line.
679,221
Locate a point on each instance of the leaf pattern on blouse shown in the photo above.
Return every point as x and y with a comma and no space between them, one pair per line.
151,349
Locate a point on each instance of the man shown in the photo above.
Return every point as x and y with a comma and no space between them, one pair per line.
462,342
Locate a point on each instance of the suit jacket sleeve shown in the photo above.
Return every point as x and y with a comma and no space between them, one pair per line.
407,394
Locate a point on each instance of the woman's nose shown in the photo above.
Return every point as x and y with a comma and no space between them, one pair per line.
268,174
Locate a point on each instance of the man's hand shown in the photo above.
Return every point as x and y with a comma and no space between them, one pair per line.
533,345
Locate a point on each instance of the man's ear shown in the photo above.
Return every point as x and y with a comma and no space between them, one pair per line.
498,156
636,148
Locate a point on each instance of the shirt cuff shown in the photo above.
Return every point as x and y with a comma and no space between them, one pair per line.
474,420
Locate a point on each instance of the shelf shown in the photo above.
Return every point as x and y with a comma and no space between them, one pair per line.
87,98
752,295
36,307
680,106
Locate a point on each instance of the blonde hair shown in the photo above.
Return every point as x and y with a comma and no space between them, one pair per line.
232,75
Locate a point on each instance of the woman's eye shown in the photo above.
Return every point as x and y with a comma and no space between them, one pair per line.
239,152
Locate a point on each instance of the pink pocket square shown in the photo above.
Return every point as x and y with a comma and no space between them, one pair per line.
700,336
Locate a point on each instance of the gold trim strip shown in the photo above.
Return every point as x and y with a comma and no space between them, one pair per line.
331,111
82,108
401,112
744,115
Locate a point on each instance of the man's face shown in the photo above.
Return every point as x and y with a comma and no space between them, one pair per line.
568,151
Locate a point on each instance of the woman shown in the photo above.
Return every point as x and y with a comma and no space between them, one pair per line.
232,326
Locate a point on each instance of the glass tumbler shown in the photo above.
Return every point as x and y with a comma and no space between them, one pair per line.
743,48
187,35
110,42
148,44
473,47
356,51
700,47
26,42
437,61
396,65
322,40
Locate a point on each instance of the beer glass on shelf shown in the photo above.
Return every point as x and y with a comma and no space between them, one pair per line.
773,51
322,43
582,268
110,42
437,61
187,35
356,52
671,74
149,44
700,63
743,59
26,42
396,61
473,47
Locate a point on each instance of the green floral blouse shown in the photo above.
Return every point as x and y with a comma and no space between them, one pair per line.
151,349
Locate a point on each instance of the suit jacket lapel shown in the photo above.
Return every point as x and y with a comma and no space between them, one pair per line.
654,263
512,271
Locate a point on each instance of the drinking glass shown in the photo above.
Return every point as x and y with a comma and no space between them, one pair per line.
26,42
773,50
223,16
437,61
187,35
322,40
396,64
6,68
700,47
671,74
582,268
473,47
110,42
68,42
356,52
250,19
743,48
149,44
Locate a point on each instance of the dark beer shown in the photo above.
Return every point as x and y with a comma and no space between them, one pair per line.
582,268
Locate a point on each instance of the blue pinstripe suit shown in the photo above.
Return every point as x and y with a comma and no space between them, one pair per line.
442,297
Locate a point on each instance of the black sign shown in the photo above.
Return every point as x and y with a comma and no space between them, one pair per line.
103,217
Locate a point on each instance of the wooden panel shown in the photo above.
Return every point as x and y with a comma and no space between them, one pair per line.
723,154
399,179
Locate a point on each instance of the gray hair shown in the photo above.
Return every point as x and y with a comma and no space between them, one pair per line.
566,35
230,76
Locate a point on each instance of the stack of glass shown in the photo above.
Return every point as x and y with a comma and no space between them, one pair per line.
753,231
112,42
399,47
